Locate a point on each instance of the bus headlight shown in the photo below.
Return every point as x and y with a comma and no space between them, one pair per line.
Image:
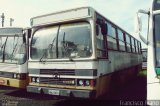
87,83
33,79
18,76
81,83
37,80
14,75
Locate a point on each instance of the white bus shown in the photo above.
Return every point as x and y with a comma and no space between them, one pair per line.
153,45
13,57
80,53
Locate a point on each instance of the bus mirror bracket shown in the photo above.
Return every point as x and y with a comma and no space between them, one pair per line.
138,25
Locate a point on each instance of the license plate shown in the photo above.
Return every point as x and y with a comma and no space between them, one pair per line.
2,82
53,92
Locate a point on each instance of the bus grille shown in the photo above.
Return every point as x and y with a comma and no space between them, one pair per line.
57,81
52,81
60,72
6,74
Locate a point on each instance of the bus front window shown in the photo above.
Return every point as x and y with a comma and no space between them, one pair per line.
64,41
74,41
43,44
157,39
15,50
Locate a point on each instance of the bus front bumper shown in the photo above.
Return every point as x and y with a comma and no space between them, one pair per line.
13,82
62,92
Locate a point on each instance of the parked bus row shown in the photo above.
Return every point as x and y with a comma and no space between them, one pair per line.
74,53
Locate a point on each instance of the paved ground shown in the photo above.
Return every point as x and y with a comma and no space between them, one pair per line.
135,90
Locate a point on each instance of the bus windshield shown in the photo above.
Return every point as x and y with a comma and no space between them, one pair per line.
157,39
65,41
12,50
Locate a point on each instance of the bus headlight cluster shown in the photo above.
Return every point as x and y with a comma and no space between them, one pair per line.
86,82
17,76
36,80
20,76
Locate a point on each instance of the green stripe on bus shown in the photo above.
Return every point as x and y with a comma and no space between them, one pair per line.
158,71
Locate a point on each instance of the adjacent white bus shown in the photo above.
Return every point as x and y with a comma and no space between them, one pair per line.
153,45
80,53
13,57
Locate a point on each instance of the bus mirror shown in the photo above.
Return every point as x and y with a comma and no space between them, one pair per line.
104,29
97,30
138,24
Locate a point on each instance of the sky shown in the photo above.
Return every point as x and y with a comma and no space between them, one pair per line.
121,12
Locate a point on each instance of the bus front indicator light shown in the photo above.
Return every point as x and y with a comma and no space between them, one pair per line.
92,82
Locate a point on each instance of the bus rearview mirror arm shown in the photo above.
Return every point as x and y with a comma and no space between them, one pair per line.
138,25
143,39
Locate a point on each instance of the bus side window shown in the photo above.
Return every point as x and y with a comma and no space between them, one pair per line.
101,49
133,45
138,47
121,40
128,41
111,37
136,42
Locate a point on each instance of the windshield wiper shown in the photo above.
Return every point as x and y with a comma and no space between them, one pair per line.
12,54
4,46
51,45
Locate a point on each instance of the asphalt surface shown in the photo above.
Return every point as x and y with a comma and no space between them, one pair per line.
133,91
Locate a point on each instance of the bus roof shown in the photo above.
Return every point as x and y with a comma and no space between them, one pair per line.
11,31
60,16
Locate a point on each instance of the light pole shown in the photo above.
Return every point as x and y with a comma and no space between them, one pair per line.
2,16
11,21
